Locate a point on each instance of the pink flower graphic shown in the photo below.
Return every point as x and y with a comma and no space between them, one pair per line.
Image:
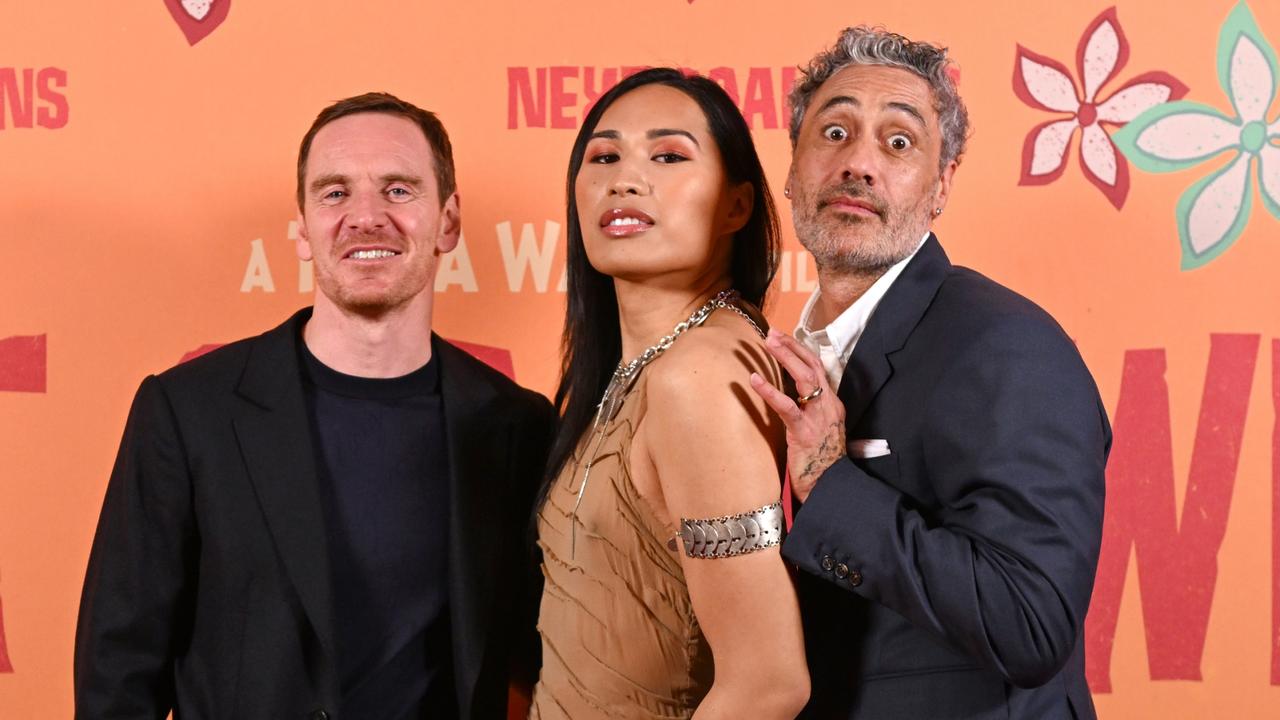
1046,84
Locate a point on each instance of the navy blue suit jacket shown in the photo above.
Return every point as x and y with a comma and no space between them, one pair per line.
951,577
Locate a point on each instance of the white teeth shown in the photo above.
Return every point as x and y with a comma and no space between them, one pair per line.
372,254
625,221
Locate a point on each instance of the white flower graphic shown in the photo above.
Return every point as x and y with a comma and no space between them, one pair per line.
1213,212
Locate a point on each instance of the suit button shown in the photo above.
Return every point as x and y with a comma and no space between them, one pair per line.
828,562
319,715
842,571
855,578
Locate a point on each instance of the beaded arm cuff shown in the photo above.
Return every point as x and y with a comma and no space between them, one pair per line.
733,534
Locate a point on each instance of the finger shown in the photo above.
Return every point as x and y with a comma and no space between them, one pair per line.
804,355
805,376
777,400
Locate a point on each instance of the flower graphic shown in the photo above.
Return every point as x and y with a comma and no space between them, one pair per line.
1046,84
1214,211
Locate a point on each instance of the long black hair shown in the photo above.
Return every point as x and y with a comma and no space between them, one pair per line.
592,342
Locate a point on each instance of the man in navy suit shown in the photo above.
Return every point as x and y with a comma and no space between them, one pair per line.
947,450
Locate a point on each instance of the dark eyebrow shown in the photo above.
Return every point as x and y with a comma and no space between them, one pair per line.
666,132
910,110
652,134
839,100
899,106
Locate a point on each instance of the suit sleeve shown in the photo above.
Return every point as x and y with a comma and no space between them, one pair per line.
536,437
1014,443
136,602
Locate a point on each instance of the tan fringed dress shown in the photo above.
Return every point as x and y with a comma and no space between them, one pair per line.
619,638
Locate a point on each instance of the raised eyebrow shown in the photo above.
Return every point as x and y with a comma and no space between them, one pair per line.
895,105
839,100
908,109
656,133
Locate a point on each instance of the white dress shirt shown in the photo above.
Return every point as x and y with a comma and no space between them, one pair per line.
834,343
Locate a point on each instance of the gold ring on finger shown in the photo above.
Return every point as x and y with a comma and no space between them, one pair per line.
804,399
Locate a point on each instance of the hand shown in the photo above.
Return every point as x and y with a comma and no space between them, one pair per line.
815,427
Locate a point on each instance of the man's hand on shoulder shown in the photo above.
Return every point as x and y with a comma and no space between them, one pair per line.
814,421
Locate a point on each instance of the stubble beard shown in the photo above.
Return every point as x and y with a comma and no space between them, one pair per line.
373,302
853,244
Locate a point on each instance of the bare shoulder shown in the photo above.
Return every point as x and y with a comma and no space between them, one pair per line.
711,441
725,346
706,372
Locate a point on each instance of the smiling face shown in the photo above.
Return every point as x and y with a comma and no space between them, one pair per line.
652,196
372,221
864,174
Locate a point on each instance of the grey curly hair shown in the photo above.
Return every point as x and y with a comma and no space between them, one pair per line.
862,45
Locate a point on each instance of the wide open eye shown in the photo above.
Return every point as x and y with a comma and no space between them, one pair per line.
900,141
834,133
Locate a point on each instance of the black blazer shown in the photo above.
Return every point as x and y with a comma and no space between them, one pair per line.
950,578
208,583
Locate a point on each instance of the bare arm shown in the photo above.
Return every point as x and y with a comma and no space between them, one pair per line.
715,447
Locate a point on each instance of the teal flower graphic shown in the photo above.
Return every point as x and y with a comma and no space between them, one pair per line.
1213,212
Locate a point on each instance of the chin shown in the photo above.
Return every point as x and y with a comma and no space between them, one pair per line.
370,302
644,264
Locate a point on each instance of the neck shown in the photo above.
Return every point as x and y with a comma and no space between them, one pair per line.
390,344
646,312
837,291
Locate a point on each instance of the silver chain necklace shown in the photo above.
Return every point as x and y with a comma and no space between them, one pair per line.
624,378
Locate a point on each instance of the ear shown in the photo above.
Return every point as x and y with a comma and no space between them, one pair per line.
450,224
944,185
302,246
740,202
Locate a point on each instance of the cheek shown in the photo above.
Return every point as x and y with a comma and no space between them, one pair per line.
806,173
584,190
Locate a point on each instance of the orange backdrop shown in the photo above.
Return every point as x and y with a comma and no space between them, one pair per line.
146,195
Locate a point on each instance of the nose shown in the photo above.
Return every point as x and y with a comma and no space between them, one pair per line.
861,161
628,180
367,212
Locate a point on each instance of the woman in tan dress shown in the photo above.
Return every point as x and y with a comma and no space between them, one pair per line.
665,593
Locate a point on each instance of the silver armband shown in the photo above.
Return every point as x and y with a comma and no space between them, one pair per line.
732,534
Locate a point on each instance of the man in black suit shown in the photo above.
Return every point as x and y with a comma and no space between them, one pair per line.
328,520
948,445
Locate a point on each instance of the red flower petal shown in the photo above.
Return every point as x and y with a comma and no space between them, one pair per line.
1097,150
1096,60
1122,107
1044,91
1052,141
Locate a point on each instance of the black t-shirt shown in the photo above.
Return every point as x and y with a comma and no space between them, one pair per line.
383,470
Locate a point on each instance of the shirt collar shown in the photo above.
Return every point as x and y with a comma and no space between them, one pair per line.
843,332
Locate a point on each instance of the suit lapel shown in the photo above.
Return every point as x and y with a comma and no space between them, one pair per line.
479,453
275,439
898,313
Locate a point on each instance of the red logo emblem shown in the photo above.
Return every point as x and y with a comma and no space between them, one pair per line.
198,18
23,362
